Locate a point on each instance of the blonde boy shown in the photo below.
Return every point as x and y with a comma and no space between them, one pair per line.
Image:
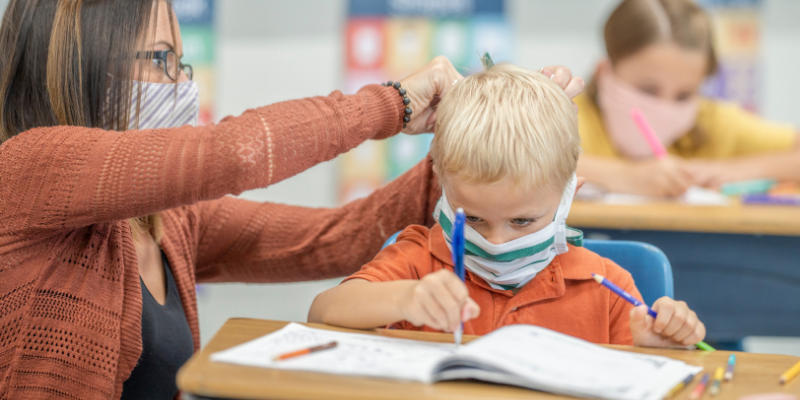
505,151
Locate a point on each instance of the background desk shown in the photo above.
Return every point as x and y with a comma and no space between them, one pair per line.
755,373
737,266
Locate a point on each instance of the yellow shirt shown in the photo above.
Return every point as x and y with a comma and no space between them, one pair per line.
727,129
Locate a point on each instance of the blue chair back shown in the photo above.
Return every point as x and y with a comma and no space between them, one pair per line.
647,264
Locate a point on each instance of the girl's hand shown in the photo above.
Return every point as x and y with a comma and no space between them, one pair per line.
676,325
439,300
659,178
712,174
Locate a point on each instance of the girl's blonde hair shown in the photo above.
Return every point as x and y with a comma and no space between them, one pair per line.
507,121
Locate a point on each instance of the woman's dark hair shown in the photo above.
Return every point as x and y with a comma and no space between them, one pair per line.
69,62
72,62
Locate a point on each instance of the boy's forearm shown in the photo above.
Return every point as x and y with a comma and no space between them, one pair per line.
360,304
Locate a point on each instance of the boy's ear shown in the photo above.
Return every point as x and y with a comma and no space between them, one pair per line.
581,181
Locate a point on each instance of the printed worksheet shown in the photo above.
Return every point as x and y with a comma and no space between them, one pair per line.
520,355
355,354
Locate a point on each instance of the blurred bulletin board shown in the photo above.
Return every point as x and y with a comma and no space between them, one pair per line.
196,19
737,36
387,40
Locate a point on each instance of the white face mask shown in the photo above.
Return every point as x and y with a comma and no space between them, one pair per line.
511,265
165,106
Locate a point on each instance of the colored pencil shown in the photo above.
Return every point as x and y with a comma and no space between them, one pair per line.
718,377
700,388
303,352
648,133
633,300
731,366
457,237
790,374
680,386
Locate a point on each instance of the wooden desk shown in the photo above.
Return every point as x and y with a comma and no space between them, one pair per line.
755,373
738,266
671,216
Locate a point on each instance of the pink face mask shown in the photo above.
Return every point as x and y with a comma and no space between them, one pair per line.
615,98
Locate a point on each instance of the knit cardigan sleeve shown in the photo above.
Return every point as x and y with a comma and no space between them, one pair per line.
242,241
61,178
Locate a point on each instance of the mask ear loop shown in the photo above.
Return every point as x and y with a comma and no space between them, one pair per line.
562,213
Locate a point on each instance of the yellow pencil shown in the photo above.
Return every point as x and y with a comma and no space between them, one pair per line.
790,374
717,381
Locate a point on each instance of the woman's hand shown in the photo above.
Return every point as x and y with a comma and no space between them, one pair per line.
439,300
426,88
675,326
572,85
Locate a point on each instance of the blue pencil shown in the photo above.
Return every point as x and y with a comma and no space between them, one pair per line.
457,237
633,300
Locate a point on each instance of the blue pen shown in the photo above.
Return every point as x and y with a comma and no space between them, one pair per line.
633,300
457,237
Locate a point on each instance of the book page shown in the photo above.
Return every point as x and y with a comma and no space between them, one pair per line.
355,354
558,363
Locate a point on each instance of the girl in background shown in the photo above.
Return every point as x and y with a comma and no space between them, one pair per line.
659,54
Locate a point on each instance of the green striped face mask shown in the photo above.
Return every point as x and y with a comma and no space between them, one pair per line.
511,265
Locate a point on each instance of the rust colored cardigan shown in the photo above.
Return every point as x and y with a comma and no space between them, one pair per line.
70,300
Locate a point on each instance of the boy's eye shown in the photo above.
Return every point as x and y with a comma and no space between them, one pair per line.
472,219
522,221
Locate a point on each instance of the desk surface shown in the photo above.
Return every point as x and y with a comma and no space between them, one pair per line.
755,373
671,216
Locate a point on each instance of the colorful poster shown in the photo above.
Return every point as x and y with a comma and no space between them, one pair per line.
737,39
196,19
389,39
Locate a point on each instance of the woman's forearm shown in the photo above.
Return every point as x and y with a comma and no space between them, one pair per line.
285,243
361,304
69,177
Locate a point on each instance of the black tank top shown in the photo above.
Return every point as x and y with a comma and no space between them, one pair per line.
166,345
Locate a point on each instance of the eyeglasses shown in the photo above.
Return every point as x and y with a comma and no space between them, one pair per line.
169,62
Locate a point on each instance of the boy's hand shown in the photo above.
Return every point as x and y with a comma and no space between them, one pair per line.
676,325
439,300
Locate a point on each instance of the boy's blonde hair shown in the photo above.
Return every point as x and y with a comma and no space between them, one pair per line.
507,121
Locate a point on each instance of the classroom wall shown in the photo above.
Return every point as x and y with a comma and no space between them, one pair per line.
274,50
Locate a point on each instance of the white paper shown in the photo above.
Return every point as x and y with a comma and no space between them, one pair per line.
355,354
568,365
694,196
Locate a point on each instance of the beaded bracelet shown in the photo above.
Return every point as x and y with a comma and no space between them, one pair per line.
406,100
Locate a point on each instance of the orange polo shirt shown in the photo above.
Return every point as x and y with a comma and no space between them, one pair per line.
562,297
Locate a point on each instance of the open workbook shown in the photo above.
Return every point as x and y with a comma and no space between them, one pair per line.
519,355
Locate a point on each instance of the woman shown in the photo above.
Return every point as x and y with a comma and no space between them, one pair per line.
104,233
659,54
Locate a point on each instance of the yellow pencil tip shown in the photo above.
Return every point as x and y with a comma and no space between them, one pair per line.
598,278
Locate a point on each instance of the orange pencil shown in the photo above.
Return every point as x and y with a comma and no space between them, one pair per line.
305,351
